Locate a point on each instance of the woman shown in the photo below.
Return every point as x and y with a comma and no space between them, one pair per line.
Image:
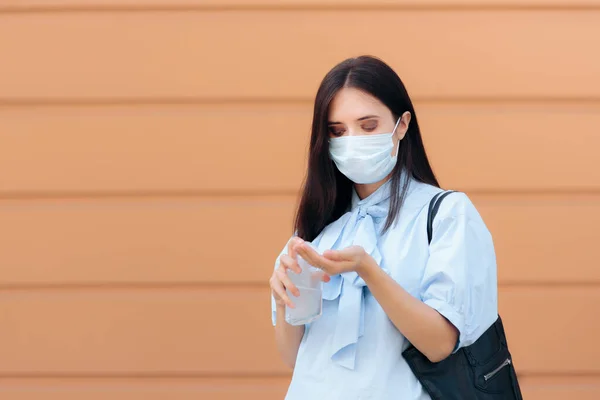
364,209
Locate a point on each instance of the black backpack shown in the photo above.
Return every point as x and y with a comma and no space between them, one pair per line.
481,371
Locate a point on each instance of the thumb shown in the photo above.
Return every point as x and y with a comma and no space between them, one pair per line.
291,246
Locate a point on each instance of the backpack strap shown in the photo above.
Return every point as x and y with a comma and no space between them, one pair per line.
434,206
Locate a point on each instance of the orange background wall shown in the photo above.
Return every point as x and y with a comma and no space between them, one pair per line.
151,152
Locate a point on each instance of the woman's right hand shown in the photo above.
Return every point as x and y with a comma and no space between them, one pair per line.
280,281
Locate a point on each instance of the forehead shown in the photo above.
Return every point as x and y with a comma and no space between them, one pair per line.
350,104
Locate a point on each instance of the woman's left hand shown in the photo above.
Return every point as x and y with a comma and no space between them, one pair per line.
334,262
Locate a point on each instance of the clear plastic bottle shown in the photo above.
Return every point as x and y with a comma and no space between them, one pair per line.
309,305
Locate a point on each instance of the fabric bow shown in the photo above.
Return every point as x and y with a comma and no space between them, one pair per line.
356,227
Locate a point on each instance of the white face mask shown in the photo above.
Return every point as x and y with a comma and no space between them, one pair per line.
364,158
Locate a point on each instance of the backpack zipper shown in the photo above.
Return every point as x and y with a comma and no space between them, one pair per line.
489,376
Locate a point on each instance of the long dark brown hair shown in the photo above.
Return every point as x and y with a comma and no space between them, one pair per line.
326,192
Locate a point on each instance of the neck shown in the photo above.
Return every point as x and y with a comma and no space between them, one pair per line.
364,190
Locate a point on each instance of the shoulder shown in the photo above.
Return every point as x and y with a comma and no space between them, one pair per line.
458,204
458,213
418,196
454,205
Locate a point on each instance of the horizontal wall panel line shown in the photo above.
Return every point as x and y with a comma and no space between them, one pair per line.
127,286
152,194
86,287
142,194
154,101
223,378
175,101
167,375
199,5
217,379
242,197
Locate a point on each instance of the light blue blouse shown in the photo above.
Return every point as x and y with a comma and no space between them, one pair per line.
353,351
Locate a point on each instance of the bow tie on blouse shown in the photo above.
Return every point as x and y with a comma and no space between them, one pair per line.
356,227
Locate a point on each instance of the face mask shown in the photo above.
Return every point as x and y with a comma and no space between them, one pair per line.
364,158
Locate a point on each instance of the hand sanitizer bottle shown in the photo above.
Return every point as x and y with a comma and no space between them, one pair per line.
309,305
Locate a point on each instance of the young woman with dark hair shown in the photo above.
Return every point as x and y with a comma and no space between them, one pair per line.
362,220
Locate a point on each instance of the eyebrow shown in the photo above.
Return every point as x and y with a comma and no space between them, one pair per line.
360,119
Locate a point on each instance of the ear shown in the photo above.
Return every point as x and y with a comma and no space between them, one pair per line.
403,125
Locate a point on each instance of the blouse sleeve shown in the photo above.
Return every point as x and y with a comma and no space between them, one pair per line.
460,279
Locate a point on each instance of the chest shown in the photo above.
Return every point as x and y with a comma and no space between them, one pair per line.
405,252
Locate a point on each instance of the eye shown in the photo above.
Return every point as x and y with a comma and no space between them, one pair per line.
336,130
369,126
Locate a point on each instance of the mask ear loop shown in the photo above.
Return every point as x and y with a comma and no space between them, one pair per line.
396,127
393,132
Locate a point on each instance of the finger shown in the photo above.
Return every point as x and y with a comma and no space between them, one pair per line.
325,278
293,242
280,290
334,255
347,254
314,258
290,263
287,282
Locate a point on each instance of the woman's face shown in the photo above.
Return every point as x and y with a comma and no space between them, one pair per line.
354,112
